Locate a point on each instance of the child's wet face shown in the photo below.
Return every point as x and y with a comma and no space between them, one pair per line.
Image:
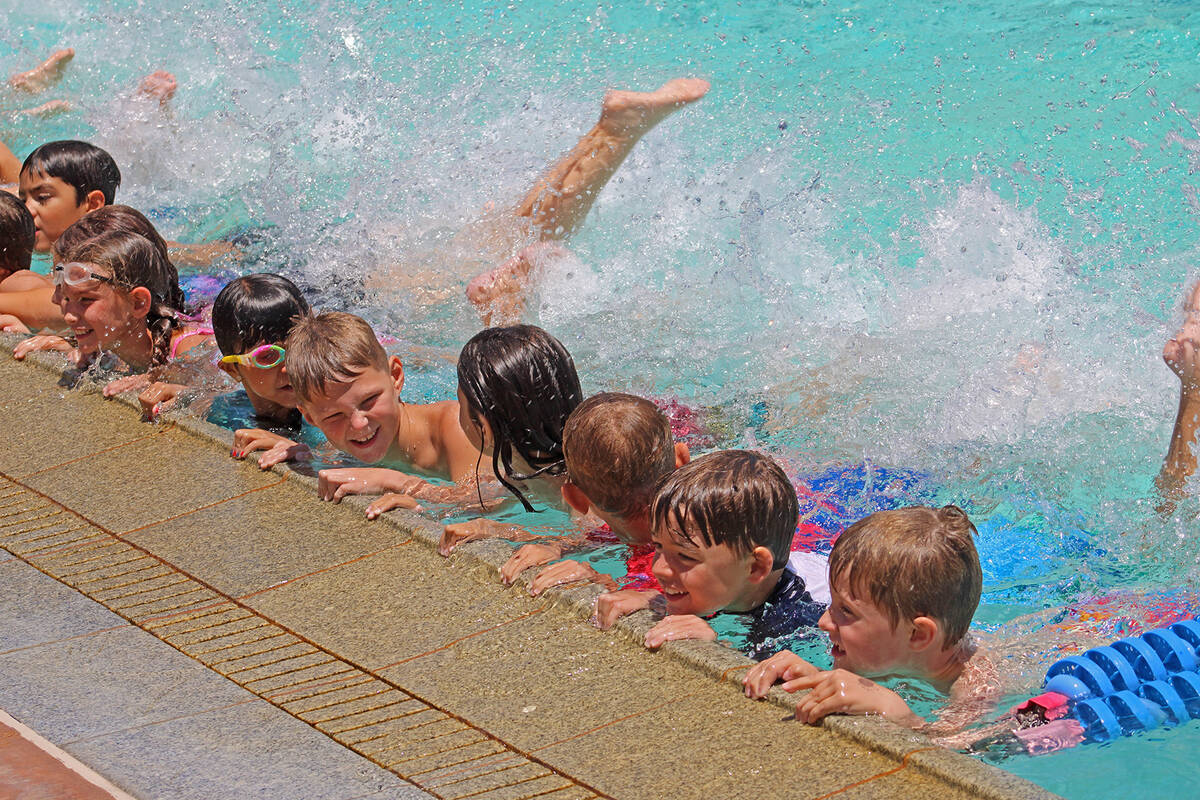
863,639
359,416
697,578
99,315
54,207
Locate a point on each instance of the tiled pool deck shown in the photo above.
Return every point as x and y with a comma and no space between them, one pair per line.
189,626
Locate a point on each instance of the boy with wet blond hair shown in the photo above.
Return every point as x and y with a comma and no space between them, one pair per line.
618,448
905,585
346,385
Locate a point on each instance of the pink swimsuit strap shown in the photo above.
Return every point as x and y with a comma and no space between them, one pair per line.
187,331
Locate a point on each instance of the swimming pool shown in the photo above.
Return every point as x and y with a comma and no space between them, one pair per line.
950,240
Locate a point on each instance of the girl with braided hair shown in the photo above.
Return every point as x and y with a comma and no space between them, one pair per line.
119,294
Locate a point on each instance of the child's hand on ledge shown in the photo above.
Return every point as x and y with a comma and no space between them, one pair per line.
45,341
158,397
783,666
278,448
390,501
842,692
530,555
567,572
679,626
613,605
473,530
334,484
128,383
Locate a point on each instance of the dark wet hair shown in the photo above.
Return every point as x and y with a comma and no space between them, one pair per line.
523,382
737,498
17,234
133,261
121,219
256,309
80,164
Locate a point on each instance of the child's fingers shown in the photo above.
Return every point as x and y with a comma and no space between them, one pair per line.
803,682
452,537
557,574
390,501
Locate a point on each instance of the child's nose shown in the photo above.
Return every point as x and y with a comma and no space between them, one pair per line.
825,623
660,569
358,420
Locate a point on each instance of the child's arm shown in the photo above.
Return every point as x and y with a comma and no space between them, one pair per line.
33,307
679,626
473,530
10,165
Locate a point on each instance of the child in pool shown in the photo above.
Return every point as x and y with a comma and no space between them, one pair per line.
722,528
117,294
905,585
617,449
60,182
346,385
16,245
516,387
251,318
1182,355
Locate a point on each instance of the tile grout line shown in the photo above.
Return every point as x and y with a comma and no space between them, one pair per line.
223,599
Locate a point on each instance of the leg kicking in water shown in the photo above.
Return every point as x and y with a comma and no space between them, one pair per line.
556,205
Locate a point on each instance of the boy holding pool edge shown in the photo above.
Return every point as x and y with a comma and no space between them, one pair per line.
905,585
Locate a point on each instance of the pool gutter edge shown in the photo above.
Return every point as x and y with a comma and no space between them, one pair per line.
723,664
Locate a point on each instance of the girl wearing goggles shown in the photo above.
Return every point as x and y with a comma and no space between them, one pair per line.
118,293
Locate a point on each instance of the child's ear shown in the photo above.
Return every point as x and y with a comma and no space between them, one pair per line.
396,368
682,454
925,633
94,200
141,300
304,415
575,498
762,563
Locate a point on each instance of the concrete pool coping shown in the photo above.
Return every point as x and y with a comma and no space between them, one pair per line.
869,756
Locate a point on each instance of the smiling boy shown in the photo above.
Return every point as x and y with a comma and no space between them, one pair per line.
905,584
347,386
722,528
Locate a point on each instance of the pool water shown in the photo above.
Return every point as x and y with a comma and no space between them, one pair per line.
946,240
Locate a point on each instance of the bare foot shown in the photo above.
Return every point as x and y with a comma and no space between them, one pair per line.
499,294
160,85
635,113
44,74
45,110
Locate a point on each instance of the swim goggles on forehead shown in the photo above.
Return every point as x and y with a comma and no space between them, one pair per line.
264,357
76,273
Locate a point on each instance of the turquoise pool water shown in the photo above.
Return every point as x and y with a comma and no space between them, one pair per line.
946,239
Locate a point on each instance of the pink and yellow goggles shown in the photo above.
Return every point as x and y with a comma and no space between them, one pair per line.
264,357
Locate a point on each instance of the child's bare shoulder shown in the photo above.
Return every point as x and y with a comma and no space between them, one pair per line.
24,281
